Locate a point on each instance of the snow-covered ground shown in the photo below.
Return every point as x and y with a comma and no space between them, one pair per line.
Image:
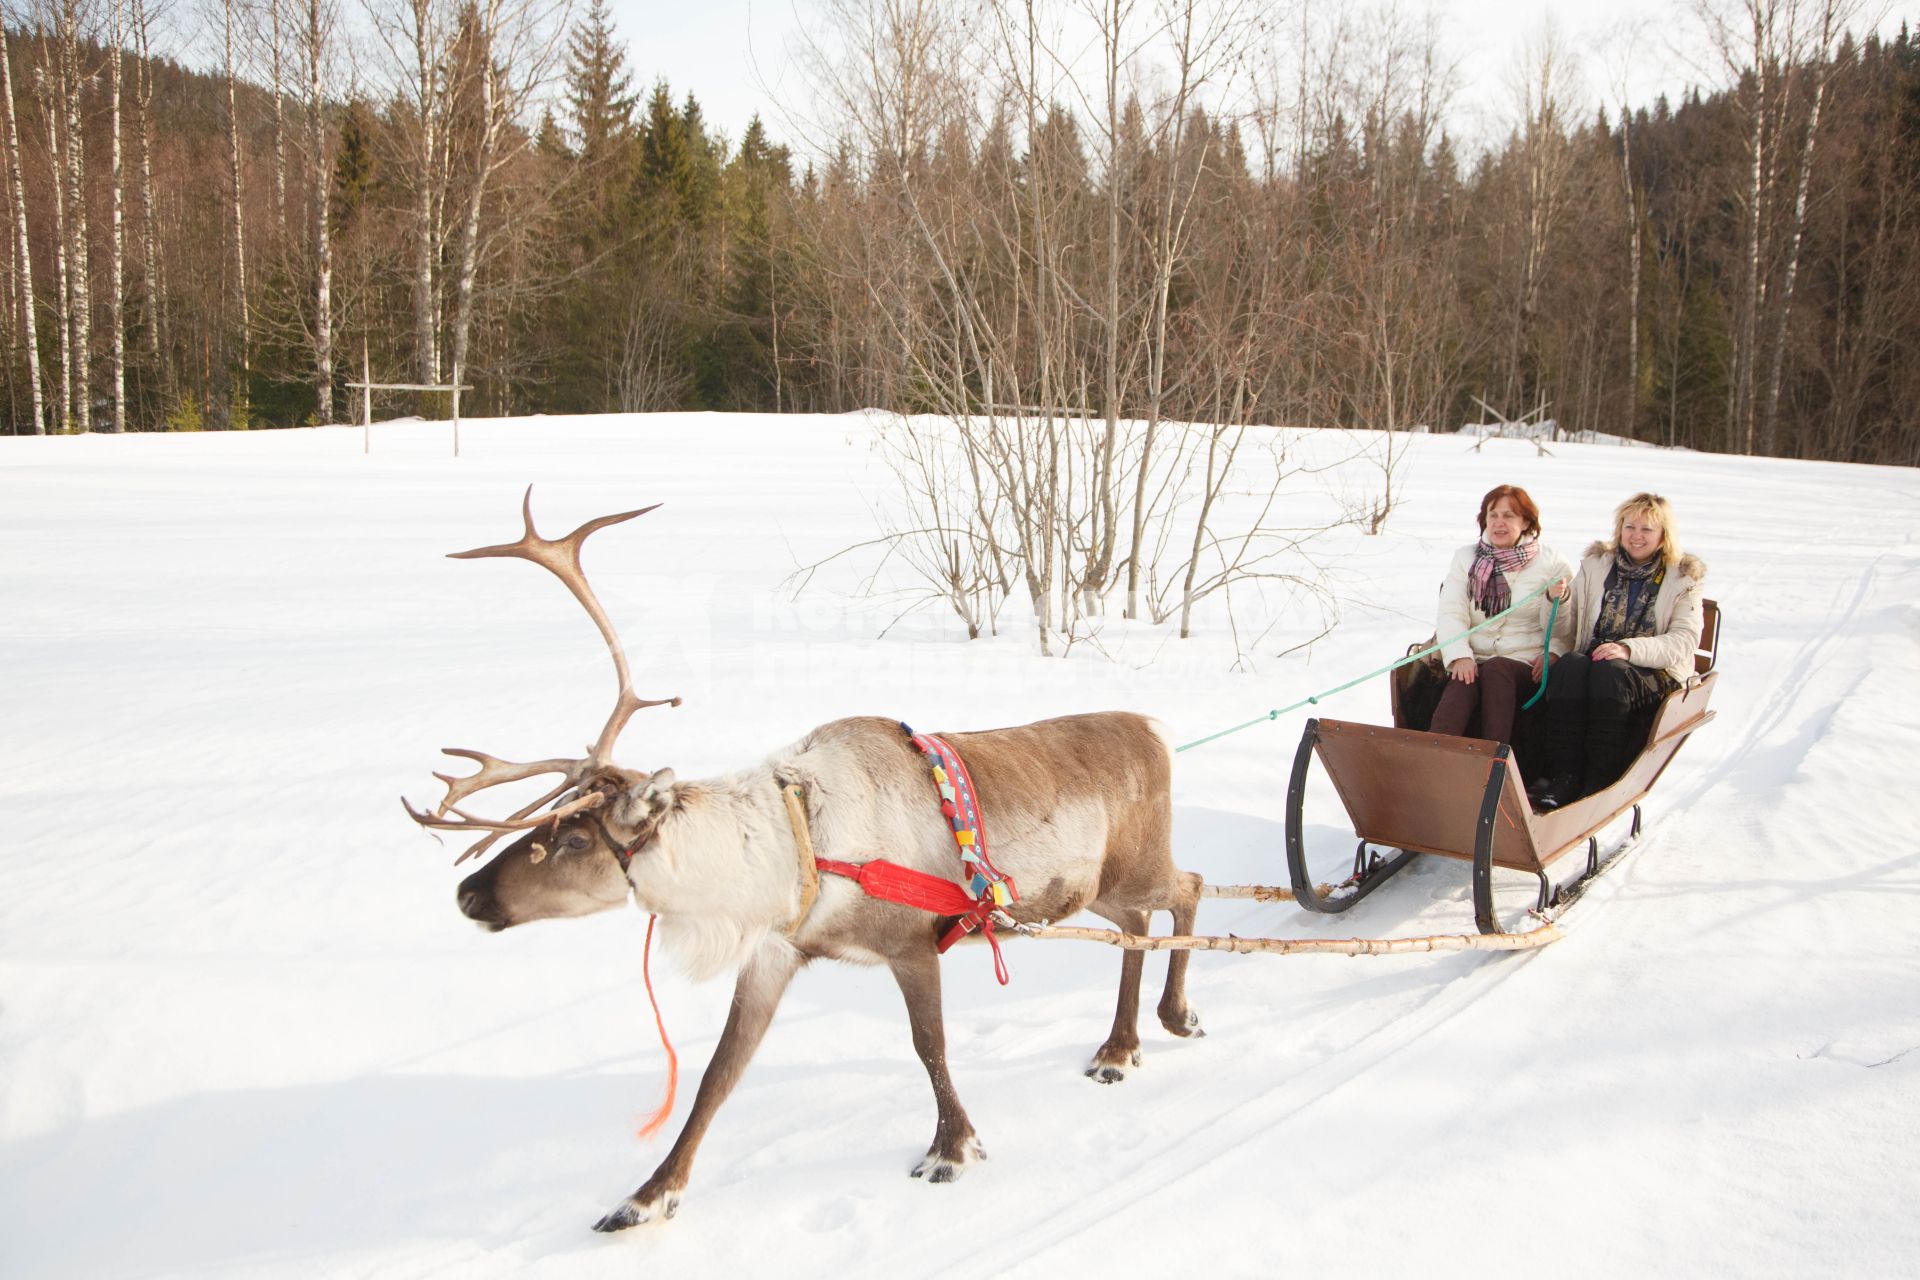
245,1032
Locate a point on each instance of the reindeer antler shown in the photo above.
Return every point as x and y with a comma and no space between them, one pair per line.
562,558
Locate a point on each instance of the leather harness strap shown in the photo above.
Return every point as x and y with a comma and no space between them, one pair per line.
803,853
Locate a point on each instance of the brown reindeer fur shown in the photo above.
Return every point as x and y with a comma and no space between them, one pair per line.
1076,812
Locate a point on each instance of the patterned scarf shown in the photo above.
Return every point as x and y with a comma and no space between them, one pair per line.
1488,578
1626,607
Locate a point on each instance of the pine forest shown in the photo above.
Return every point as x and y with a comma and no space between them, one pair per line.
220,213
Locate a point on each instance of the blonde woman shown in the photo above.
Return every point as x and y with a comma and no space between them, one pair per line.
1634,620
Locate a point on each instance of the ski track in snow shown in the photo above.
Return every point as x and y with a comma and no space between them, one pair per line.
243,1032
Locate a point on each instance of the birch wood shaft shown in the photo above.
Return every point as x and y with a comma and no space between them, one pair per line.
1257,892
1531,939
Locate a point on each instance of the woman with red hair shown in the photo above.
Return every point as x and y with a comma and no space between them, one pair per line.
1488,670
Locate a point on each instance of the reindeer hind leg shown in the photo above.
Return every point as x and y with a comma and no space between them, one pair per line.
1121,1051
1175,1014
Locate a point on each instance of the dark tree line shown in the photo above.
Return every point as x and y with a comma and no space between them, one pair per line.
1737,271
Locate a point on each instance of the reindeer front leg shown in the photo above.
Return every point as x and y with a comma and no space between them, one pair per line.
954,1145
763,980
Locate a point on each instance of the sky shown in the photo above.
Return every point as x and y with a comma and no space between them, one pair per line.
735,55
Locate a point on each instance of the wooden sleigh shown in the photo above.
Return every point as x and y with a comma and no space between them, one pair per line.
1411,792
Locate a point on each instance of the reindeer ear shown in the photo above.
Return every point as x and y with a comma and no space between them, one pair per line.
646,797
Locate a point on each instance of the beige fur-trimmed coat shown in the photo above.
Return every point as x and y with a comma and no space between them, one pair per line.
1677,613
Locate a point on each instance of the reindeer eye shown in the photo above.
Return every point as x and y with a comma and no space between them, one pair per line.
574,842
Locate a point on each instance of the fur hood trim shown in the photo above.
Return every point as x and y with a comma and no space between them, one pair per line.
1690,565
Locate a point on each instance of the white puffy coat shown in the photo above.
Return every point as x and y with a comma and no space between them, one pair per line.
1677,613
1521,633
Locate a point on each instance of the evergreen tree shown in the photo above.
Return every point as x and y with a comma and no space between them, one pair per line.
353,167
599,89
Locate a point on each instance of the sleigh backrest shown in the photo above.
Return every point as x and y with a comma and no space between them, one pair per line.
1709,650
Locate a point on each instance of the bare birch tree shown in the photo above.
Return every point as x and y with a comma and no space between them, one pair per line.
320,17
413,34
17,180
515,48
238,410
1546,161
1813,54
49,99
72,29
1769,48
117,242
149,218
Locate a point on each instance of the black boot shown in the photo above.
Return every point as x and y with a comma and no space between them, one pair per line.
1553,793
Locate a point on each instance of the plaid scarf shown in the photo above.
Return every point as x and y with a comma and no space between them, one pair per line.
1626,606
1487,580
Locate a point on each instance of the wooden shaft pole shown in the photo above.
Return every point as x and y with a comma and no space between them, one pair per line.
1528,941
1257,892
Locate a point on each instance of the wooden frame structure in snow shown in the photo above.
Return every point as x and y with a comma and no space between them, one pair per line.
367,386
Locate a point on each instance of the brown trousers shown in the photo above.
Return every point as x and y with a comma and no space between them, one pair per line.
1503,684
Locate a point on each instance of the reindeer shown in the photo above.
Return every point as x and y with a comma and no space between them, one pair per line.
1078,808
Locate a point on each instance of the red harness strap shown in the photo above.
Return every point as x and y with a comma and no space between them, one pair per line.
904,885
894,883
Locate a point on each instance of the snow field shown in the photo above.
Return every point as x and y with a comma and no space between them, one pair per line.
244,1031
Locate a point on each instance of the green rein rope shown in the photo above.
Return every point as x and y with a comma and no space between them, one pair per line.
1546,653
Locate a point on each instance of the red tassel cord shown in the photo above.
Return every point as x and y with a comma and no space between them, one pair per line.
655,1121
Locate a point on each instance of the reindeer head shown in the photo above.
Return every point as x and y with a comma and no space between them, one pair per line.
573,858
575,865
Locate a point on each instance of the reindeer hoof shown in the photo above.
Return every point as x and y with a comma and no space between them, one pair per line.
633,1211
935,1167
1109,1067
1186,1025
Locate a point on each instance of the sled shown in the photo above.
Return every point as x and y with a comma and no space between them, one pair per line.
1410,792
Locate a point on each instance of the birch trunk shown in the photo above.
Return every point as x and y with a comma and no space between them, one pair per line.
1769,435
322,234
1633,273
239,409
279,120
149,220
1753,281
117,247
425,206
50,114
80,283
17,176
470,224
